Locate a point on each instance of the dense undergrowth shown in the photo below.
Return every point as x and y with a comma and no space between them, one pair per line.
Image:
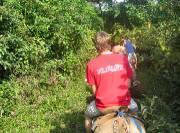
44,49
57,108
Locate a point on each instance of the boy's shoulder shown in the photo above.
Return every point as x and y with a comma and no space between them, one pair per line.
106,57
92,61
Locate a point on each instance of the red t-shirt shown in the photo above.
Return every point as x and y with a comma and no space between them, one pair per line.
110,74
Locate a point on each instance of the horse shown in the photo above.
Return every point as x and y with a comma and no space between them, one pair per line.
118,122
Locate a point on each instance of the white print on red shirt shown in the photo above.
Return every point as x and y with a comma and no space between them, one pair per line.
110,68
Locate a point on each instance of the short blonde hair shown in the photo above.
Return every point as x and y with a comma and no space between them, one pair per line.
102,41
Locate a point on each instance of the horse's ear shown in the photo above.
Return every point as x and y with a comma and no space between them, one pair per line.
137,89
135,125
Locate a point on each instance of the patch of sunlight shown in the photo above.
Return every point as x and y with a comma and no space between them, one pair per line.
62,125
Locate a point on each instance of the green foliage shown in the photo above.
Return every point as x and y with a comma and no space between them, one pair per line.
156,112
136,13
19,52
44,46
8,96
157,46
42,43
55,108
35,31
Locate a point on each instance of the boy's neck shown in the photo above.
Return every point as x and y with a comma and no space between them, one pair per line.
105,52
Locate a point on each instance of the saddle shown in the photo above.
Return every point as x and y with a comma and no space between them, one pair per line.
118,122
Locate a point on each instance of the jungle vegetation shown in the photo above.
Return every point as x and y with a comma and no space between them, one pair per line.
44,48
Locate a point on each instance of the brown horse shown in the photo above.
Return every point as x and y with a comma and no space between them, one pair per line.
118,123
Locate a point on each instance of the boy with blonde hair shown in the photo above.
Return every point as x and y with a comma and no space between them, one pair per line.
109,76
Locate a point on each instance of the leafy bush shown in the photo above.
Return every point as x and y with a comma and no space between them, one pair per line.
8,96
42,43
33,32
46,45
157,115
157,48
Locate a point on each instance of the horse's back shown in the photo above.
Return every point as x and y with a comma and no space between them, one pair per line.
117,124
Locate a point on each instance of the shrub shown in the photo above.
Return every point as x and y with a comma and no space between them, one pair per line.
8,96
33,32
158,117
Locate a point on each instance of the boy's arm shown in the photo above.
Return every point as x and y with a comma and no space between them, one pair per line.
92,97
93,87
